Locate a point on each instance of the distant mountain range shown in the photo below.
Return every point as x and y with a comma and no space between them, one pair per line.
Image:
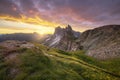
101,43
32,37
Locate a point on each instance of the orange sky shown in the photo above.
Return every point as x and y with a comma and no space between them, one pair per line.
24,24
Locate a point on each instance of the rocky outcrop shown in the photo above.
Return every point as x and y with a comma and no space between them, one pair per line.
102,42
63,38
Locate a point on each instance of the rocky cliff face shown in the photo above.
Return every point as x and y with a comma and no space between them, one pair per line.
102,42
63,38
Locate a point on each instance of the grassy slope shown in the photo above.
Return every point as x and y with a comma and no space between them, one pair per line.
40,64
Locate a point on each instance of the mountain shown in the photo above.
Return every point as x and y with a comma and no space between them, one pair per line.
33,37
102,42
63,38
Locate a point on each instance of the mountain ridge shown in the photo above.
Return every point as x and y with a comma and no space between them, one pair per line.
101,43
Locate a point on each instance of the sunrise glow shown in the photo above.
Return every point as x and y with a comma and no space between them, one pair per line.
34,16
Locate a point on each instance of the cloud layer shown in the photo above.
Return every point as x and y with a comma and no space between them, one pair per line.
78,13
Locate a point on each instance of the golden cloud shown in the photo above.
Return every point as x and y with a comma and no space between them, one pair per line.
35,20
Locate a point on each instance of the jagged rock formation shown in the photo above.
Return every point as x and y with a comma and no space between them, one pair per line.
102,42
63,38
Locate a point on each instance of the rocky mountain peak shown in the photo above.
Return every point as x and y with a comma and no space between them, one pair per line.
64,31
63,38
58,30
68,28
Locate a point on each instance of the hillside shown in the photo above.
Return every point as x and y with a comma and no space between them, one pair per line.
33,61
101,43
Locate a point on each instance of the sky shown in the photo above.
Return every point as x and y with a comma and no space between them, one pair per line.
43,16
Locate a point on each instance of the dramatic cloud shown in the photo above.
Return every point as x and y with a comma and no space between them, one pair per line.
81,14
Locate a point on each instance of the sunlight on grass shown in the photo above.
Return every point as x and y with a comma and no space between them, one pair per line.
39,63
